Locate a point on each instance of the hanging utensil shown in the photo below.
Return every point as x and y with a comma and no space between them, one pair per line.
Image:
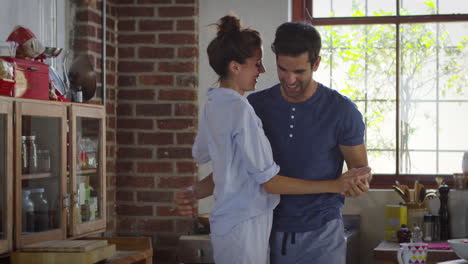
401,193
83,75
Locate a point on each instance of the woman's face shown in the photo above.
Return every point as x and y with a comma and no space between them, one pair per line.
250,70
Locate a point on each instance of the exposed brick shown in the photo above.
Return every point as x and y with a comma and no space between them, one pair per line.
187,52
124,166
155,196
126,80
155,53
187,81
111,79
86,45
137,39
135,182
125,109
177,95
156,25
185,110
152,225
183,225
127,224
175,124
126,25
159,139
176,182
176,67
125,138
125,196
134,153
177,39
174,153
154,167
134,210
167,240
110,22
85,30
136,94
154,1
165,211
172,11
127,52
186,167
88,15
185,138
153,109
126,11
111,51
164,80
188,25
134,123
138,67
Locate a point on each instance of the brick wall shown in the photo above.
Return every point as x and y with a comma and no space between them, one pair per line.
86,38
156,117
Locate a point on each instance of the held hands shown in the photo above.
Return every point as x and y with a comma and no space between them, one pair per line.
185,203
354,182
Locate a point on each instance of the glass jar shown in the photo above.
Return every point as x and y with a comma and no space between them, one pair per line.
27,221
41,210
43,157
24,155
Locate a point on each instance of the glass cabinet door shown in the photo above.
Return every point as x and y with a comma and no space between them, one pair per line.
6,174
41,170
87,167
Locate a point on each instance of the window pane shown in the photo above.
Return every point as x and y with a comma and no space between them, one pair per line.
453,75
380,124
356,8
415,162
450,162
359,61
453,132
382,162
418,126
429,7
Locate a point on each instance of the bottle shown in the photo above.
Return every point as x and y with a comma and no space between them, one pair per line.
79,94
444,212
24,155
27,221
32,153
41,210
403,234
417,235
428,227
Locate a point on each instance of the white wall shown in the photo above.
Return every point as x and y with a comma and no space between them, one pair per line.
262,15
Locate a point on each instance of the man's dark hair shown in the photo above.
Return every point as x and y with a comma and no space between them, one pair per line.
295,38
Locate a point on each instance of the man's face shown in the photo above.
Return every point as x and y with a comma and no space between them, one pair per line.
295,75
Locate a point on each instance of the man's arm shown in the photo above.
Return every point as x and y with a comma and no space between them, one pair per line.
356,157
186,199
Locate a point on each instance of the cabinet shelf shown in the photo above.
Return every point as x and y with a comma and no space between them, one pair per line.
36,176
86,172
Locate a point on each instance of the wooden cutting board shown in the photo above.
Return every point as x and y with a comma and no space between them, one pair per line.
65,246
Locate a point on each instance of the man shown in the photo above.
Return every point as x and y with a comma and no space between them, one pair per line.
312,131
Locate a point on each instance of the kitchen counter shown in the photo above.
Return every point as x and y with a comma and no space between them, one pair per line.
386,251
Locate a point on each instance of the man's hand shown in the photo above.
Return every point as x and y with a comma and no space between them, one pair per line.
353,177
362,185
186,203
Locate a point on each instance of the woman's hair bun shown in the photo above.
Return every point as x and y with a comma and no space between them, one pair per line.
228,24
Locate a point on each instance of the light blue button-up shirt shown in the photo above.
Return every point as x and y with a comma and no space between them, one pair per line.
231,136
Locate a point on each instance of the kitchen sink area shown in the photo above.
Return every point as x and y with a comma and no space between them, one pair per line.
196,247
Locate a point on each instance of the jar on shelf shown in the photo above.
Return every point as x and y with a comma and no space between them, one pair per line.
27,216
24,155
31,148
43,157
41,210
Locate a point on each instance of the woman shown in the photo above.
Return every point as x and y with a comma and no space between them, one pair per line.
246,184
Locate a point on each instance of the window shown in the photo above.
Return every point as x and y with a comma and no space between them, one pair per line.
405,64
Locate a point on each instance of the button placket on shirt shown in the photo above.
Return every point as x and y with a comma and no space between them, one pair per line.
292,122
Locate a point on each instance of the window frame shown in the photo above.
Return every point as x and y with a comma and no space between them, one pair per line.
302,10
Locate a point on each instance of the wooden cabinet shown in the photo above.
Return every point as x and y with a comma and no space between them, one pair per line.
6,175
55,171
